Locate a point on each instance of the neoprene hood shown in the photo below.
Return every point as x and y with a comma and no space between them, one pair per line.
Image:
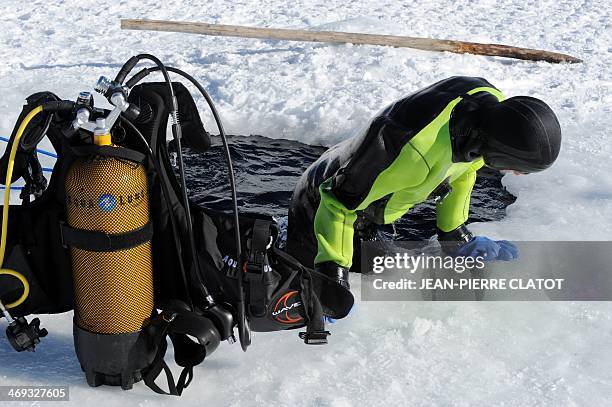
521,133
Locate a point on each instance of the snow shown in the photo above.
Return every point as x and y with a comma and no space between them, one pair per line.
385,353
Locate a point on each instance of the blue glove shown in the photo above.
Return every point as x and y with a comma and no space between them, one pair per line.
507,251
489,249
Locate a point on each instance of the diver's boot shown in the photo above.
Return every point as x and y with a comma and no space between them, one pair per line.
331,285
335,272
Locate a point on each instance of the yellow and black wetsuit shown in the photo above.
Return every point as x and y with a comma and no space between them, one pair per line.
400,158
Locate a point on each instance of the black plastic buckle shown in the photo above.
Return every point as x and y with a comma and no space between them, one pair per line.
61,233
315,337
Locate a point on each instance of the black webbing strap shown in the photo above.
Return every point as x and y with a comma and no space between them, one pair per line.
174,388
158,329
156,368
315,333
260,238
96,241
187,353
109,151
159,364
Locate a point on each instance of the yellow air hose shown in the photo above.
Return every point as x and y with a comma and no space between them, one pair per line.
5,209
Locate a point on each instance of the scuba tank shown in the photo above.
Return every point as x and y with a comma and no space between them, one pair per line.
109,195
109,230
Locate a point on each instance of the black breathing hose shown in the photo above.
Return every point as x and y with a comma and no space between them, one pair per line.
176,133
166,196
243,330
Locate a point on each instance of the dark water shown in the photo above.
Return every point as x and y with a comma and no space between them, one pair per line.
268,169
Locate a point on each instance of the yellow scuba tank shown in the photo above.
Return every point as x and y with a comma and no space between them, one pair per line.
113,290
108,230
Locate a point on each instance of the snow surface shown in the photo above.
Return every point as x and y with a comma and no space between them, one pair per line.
385,353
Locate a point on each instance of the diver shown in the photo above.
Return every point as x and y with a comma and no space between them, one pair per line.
428,145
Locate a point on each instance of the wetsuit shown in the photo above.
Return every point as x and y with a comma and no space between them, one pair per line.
401,157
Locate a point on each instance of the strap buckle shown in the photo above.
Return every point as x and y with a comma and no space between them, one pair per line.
314,337
261,241
168,316
62,224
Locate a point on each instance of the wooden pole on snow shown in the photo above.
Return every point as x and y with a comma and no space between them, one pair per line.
426,44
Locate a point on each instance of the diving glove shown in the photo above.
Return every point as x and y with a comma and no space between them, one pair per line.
489,249
461,242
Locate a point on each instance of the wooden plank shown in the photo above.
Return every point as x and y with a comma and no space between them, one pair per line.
426,44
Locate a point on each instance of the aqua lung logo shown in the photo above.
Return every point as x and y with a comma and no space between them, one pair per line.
286,310
105,202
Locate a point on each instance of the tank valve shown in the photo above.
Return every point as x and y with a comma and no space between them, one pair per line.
117,94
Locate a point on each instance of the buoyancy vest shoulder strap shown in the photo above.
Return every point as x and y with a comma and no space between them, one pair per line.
35,131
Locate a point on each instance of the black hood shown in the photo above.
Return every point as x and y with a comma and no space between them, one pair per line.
521,133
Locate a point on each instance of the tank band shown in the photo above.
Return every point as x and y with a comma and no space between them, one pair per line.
96,241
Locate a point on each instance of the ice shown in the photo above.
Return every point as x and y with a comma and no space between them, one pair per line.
385,353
